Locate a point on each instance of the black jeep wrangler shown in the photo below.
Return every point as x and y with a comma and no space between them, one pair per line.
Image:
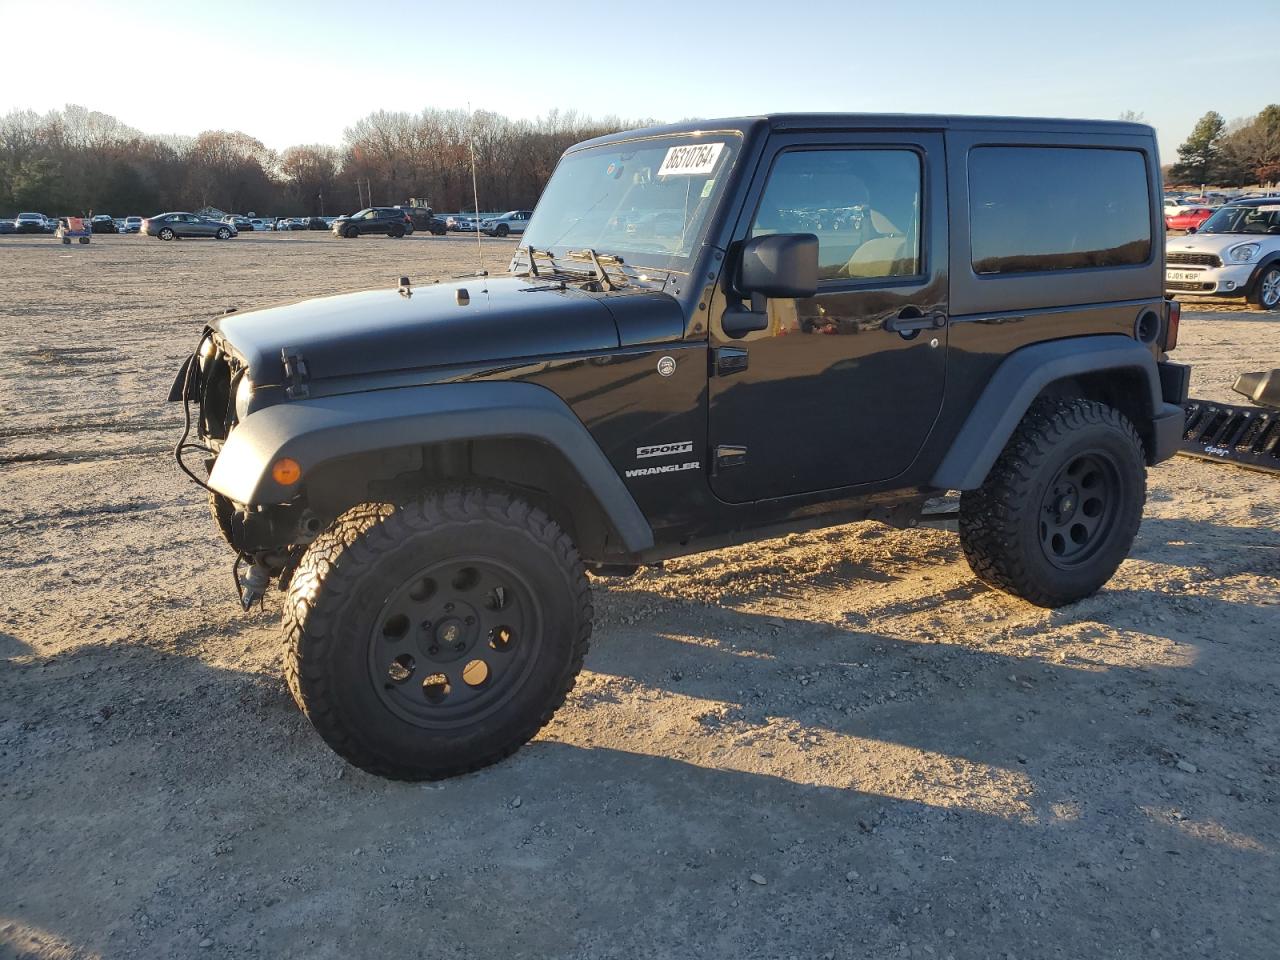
711,333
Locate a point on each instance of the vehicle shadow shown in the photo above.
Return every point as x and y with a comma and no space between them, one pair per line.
722,783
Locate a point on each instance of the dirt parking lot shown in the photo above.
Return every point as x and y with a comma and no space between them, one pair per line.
836,744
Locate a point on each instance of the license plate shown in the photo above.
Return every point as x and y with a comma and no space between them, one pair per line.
1183,275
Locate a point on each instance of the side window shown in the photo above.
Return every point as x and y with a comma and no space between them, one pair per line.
1057,208
862,204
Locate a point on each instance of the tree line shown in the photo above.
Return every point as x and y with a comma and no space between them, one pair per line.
1236,154
77,161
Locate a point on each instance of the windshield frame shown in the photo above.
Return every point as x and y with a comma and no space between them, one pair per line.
724,183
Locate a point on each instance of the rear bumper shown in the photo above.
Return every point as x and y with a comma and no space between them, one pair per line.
1169,419
1166,433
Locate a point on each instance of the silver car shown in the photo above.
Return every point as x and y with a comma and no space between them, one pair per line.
513,221
171,226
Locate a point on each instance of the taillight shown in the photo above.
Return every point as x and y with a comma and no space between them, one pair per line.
1171,326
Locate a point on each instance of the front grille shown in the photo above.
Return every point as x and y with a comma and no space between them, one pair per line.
1195,259
1188,287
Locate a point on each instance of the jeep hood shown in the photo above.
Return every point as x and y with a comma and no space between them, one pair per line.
378,331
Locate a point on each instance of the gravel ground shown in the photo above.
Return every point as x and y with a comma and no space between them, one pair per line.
836,744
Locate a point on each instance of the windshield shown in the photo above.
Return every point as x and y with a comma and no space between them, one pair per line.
1260,219
650,197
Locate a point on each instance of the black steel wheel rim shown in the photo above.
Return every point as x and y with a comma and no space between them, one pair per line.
1078,509
454,642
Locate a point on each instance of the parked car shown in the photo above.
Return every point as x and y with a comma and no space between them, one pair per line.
513,221
132,225
241,223
172,226
389,221
1187,218
1235,253
424,218
463,223
103,223
29,223
317,223
431,482
6,226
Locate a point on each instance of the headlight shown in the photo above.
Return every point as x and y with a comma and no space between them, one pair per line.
244,396
1244,253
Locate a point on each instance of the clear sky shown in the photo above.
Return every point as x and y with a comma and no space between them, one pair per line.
289,72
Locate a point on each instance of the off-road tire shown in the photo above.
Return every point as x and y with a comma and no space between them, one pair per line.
1001,529
1265,294
355,568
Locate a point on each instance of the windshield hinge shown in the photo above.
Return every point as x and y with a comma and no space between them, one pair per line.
295,374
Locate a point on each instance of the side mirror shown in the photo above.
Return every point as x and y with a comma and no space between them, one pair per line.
781,265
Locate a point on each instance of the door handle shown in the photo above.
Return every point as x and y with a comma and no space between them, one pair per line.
911,320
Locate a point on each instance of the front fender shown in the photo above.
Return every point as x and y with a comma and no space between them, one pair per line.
316,432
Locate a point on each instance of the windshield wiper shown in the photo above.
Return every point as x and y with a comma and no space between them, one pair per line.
598,261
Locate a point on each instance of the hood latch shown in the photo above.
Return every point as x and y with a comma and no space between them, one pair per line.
295,374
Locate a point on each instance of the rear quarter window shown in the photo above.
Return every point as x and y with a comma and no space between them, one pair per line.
1034,209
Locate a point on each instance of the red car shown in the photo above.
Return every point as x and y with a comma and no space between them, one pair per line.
1188,218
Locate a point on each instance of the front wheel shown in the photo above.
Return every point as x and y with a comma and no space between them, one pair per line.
1266,292
502,230
167,234
1060,508
431,638
351,233
223,233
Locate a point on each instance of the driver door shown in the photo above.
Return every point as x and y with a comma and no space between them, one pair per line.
841,388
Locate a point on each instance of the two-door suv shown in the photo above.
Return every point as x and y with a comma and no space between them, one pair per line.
711,333
1234,253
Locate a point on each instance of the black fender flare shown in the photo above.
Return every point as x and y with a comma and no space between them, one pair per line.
323,429
1022,376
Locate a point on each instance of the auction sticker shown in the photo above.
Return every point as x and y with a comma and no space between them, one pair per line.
689,161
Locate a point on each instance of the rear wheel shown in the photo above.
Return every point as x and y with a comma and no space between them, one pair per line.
1059,510
431,638
1265,294
167,234
396,231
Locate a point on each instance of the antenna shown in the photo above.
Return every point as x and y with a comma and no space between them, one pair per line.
475,190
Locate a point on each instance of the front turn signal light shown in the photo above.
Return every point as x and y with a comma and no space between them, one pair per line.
286,471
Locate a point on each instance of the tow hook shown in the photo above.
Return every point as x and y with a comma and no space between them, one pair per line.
254,585
263,568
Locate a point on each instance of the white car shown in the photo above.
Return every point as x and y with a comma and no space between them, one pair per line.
513,221
1235,253
29,223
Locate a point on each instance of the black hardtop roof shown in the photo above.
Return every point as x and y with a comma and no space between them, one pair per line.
884,121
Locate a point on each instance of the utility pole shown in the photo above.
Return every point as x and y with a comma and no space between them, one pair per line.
320,196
